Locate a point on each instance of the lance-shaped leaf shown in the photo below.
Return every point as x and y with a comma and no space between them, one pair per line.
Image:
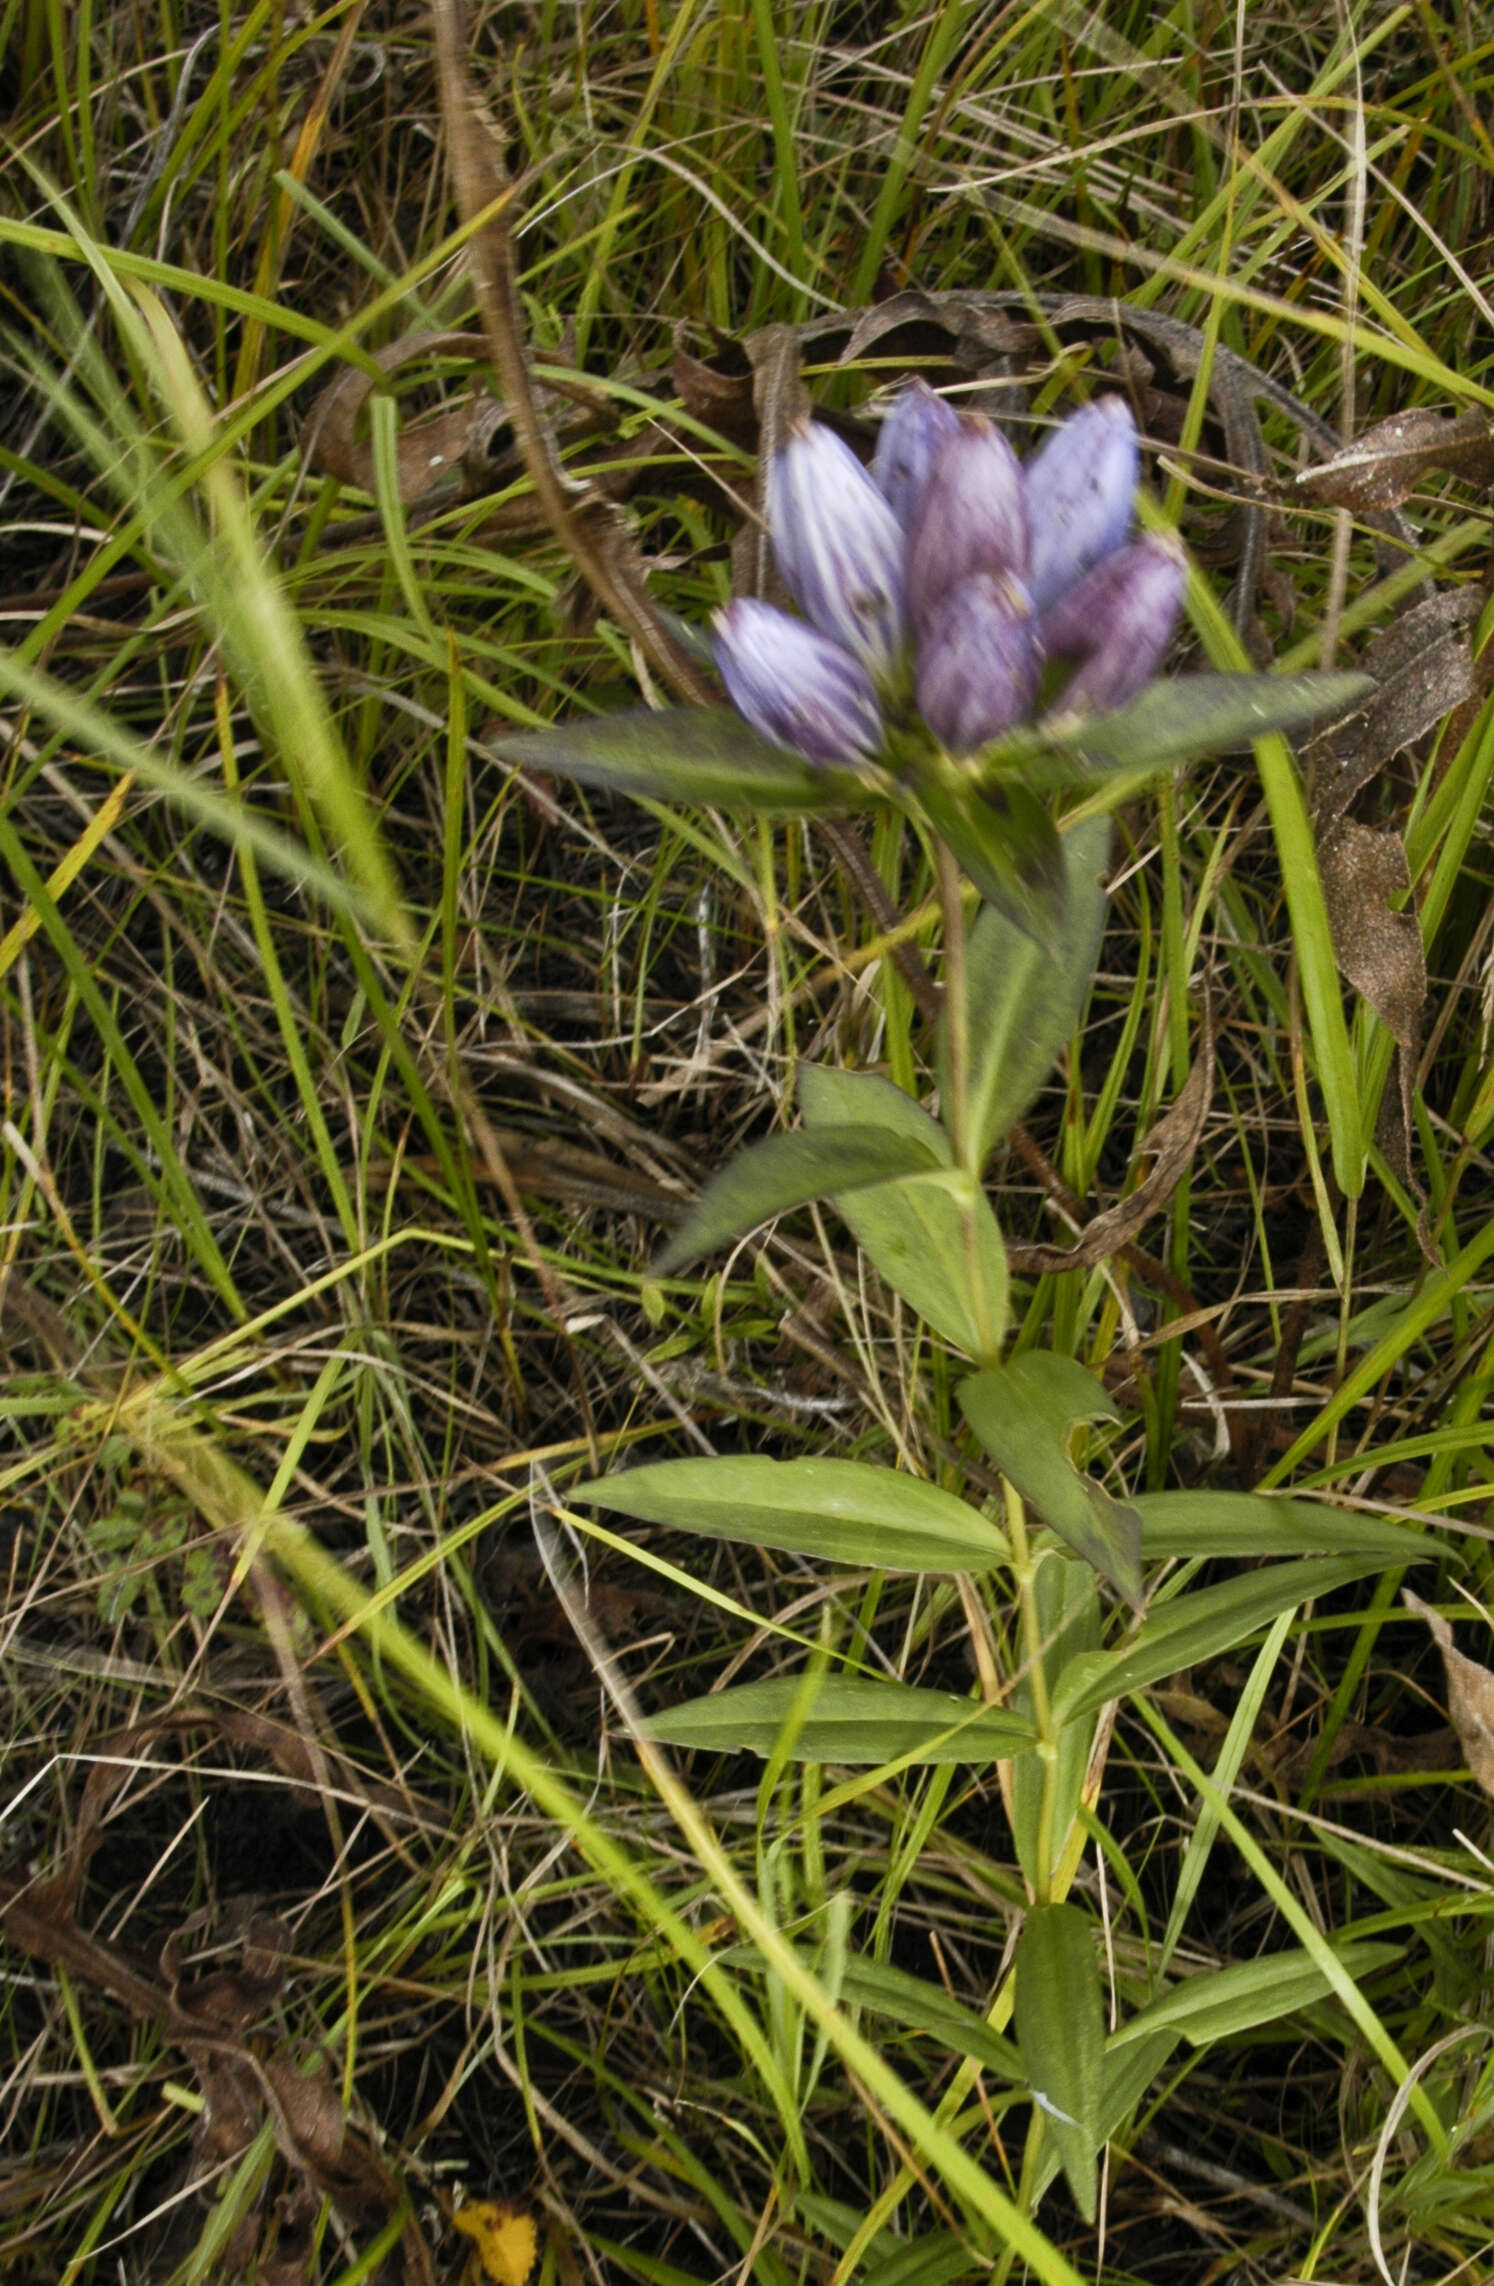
787,1171
920,2006
1253,1524
1023,1414
1060,2019
1188,1629
832,1098
1005,840
1193,714
1022,1001
704,755
849,1719
1220,2004
933,1237
844,1512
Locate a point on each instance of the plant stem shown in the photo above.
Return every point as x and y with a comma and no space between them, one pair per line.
1024,1572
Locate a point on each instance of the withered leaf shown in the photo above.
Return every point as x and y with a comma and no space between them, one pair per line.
427,451
1379,951
1470,1694
720,394
1423,667
1384,466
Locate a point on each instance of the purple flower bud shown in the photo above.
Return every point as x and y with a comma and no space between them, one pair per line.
1117,621
796,687
839,548
1081,489
978,663
970,517
915,431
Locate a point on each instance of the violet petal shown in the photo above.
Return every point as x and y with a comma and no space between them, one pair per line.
1117,622
978,663
795,686
914,433
970,517
1081,492
839,548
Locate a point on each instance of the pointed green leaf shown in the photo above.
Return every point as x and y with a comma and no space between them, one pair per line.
787,1171
1060,2022
1023,1414
844,1718
1005,840
1129,2072
1193,714
924,2007
1191,1628
934,2258
936,1241
705,755
832,1098
1023,1002
933,1237
1254,1524
1219,2004
844,1512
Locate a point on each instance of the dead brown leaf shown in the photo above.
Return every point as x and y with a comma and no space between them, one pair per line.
1378,950
428,451
1470,1694
1423,667
719,394
1382,468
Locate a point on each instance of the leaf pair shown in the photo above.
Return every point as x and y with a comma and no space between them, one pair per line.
887,1165
856,1515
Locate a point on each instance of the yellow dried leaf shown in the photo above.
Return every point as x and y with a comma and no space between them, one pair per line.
505,2237
1470,1695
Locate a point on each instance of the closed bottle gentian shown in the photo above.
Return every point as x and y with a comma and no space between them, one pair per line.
1116,622
840,548
909,442
951,572
970,517
796,686
978,662
1081,492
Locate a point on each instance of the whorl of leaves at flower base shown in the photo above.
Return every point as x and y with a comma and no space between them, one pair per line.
952,579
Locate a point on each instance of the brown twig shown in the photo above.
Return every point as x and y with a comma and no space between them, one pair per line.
587,527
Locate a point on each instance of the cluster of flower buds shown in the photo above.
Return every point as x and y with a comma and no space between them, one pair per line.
951,571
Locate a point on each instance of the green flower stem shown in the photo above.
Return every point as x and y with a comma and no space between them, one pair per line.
1024,1572
956,1110
956,1113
